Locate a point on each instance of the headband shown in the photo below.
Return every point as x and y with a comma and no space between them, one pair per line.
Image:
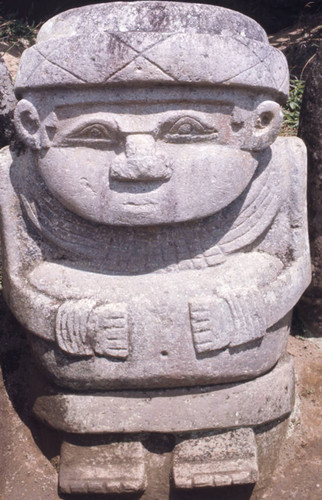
157,42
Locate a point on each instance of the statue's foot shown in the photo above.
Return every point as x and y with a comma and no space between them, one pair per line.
117,467
216,460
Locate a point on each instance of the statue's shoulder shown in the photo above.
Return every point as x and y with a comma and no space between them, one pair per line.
291,142
7,158
290,155
291,152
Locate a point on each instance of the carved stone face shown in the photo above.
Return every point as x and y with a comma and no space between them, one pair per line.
151,158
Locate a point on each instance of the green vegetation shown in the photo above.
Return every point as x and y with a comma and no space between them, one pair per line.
17,31
292,108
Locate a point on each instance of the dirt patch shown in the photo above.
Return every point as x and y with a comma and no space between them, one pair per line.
25,470
298,475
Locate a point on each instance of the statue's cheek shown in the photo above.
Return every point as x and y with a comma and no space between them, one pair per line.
77,177
209,181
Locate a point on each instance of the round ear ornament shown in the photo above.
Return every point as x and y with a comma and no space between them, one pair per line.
27,124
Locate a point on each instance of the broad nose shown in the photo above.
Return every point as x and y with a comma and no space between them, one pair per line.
141,162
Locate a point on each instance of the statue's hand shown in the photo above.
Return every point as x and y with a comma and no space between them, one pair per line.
230,318
86,329
211,324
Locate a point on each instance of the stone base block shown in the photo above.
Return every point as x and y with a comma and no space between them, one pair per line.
219,407
111,468
220,436
218,460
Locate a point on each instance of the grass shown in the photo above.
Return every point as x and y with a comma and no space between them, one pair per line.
17,32
292,108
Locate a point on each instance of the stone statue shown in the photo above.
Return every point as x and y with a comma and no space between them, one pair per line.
155,240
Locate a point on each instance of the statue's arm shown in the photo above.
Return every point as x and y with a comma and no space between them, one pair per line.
285,292
6,202
237,314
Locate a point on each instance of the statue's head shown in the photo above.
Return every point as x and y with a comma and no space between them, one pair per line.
149,112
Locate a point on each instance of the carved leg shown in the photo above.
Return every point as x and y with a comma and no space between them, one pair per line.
217,460
117,467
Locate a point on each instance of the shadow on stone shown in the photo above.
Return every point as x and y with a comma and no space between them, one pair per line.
126,496
19,373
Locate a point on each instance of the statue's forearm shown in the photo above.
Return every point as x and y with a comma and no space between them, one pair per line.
239,315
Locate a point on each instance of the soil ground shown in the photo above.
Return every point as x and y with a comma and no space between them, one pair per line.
298,475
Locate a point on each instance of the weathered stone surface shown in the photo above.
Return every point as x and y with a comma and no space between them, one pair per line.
137,44
217,460
7,105
154,228
111,468
255,402
310,130
181,355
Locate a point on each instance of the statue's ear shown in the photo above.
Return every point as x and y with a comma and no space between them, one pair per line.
267,122
27,124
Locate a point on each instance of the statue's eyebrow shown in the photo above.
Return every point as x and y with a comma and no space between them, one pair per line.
84,121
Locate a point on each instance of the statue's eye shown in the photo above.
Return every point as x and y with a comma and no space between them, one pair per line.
94,132
92,135
188,129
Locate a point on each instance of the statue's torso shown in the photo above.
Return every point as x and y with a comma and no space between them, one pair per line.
193,321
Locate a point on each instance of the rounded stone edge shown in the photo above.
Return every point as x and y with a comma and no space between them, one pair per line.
248,404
